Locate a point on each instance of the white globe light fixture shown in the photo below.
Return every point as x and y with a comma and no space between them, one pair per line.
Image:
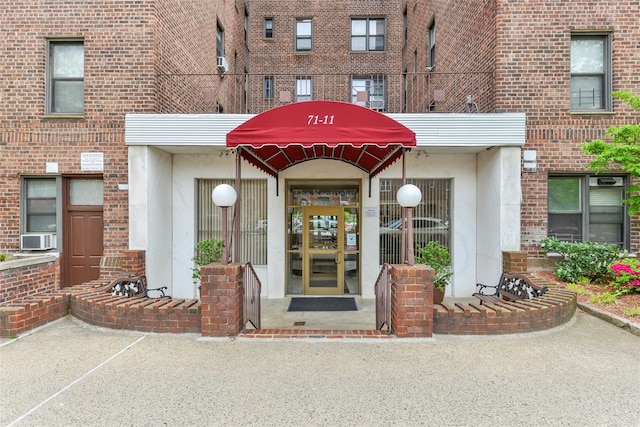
409,196
224,196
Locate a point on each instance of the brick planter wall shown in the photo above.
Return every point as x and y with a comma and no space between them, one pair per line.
411,301
30,294
26,277
554,308
92,303
222,296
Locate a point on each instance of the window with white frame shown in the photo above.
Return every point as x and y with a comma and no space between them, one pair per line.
590,72
65,77
369,92
368,34
268,28
253,234
588,208
431,218
303,35
304,91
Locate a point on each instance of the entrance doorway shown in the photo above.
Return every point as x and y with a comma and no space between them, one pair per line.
323,238
83,231
323,273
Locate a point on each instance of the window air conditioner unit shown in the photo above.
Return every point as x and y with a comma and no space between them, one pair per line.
223,65
606,182
376,103
37,242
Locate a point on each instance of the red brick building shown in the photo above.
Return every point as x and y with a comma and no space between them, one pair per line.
72,73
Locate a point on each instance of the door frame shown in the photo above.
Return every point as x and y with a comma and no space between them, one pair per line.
67,211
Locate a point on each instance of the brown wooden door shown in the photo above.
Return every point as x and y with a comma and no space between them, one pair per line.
83,236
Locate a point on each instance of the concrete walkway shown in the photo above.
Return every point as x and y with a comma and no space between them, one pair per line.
585,373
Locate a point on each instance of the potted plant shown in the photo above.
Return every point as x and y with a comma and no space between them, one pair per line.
206,252
437,257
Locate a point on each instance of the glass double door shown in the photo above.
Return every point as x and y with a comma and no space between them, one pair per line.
323,257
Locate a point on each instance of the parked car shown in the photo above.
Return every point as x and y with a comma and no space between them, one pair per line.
425,229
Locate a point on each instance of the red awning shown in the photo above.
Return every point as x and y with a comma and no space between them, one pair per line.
294,133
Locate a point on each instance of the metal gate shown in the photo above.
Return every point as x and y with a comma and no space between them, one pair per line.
252,289
383,298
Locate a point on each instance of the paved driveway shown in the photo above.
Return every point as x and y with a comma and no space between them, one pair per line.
586,373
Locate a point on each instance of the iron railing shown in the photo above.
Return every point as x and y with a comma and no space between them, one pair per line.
383,298
388,93
252,289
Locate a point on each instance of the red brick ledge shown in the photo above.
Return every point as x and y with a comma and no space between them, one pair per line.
92,304
25,314
556,307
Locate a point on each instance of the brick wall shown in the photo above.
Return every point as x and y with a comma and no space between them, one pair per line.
465,42
553,309
28,277
222,299
118,79
412,301
532,75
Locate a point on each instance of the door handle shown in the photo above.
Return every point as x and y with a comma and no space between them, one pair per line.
338,257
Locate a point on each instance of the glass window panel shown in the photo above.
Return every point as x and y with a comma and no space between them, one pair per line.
605,196
606,233
41,188
358,43
587,92
253,236
351,273
41,206
432,214
294,273
68,96
567,227
358,27
376,27
587,55
68,60
41,223
303,44
376,43
86,192
564,195
304,28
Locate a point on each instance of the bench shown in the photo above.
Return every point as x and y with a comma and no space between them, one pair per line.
511,287
132,286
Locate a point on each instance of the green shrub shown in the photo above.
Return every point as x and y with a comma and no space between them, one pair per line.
3,257
206,252
437,257
581,259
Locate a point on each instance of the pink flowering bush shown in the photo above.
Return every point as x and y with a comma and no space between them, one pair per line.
627,275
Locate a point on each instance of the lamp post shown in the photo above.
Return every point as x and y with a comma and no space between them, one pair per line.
224,196
409,197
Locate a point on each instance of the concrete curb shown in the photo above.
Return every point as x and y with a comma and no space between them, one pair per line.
618,321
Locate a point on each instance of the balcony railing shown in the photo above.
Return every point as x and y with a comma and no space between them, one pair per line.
395,93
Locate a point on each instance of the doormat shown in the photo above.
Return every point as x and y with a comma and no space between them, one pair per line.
323,304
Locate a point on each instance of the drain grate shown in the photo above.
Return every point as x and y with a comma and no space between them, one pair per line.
299,323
